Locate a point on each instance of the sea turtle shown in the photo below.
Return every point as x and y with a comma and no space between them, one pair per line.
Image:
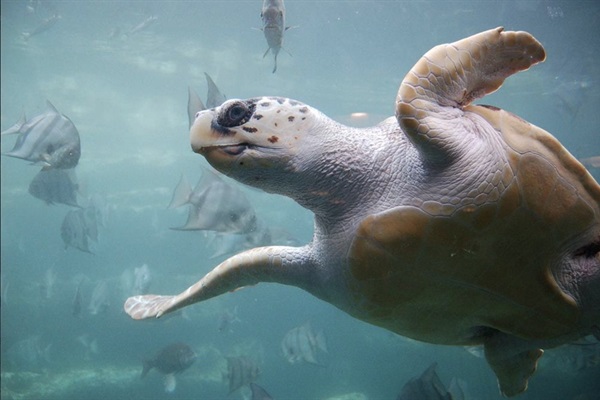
452,223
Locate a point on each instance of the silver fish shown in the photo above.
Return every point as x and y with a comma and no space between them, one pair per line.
29,354
226,318
144,24
77,301
302,343
76,228
593,162
241,371
273,18
172,359
142,279
49,138
47,285
43,27
428,386
100,300
215,205
55,186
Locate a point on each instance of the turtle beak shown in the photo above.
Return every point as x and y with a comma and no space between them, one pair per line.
201,134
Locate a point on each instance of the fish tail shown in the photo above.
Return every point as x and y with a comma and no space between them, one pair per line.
275,67
182,193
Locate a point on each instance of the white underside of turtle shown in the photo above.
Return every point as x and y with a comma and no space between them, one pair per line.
452,223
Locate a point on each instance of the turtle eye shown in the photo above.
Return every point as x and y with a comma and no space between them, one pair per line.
235,114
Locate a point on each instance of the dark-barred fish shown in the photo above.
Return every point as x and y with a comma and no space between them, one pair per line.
171,360
241,371
50,139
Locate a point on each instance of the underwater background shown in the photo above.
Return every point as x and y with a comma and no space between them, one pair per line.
124,85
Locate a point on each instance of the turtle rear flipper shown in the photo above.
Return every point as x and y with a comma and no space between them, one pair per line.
512,368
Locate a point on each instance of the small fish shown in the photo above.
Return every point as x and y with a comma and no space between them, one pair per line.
273,18
142,279
226,318
43,27
100,300
171,360
215,205
258,393
240,371
89,345
591,161
49,138
74,231
29,354
428,386
76,305
55,186
47,285
302,343
144,24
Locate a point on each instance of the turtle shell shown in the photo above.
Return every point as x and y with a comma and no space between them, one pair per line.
488,256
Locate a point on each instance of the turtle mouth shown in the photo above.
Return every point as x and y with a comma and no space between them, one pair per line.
233,149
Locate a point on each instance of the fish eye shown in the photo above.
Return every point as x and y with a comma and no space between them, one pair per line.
235,114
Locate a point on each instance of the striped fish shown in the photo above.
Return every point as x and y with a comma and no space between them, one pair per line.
301,344
50,139
241,371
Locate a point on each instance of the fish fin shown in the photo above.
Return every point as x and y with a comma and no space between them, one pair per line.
181,194
292,27
44,162
195,105
321,341
170,383
266,52
16,128
50,107
457,389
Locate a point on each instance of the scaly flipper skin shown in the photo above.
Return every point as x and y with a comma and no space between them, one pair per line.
263,264
450,76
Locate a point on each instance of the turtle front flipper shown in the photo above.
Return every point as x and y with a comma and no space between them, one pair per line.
450,76
282,264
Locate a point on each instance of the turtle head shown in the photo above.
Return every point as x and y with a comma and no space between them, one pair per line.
255,141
